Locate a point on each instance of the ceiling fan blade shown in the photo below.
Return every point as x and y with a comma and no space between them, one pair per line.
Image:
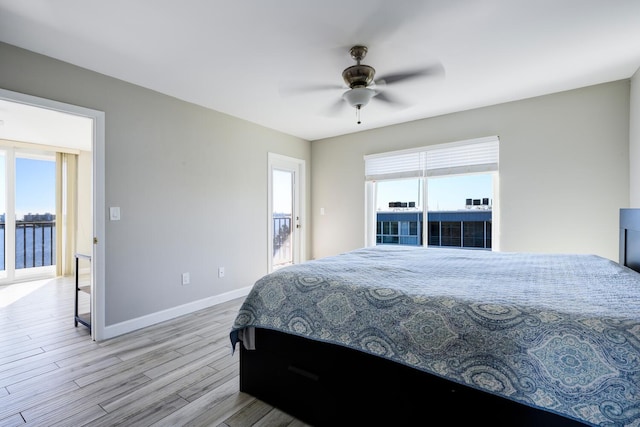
384,97
432,71
292,90
336,108
381,96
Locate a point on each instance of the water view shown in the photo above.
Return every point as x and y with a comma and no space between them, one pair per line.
35,242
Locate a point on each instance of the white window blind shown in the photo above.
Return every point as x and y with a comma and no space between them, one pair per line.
395,165
470,156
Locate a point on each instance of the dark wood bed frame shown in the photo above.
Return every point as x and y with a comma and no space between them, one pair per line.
328,385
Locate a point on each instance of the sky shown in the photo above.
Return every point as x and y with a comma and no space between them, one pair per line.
35,186
282,187
444,193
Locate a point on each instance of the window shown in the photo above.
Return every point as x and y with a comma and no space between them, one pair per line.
474,234
28,209
458,182
35,207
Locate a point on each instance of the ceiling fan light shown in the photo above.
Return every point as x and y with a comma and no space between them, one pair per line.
358,97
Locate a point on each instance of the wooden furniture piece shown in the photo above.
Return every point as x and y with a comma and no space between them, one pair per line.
82,318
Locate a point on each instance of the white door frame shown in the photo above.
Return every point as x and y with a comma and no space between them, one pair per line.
297,166
97,144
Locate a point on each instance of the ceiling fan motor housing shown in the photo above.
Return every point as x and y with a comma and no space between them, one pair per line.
358,75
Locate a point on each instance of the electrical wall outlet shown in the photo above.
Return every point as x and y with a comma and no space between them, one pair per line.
220,272
185,279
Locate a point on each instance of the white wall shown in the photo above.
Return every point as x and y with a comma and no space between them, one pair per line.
191,184
564,170
634,142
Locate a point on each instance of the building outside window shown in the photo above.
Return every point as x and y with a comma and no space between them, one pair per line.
462,229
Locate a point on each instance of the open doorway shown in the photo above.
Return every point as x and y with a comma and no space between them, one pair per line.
32,123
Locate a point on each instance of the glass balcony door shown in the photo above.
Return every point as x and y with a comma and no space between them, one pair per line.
28,207
286,177
283,219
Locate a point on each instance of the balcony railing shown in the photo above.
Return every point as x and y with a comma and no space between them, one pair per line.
281,239
35,244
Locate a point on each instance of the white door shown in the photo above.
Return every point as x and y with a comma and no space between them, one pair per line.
286,216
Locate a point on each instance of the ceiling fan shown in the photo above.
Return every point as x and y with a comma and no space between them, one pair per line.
363,86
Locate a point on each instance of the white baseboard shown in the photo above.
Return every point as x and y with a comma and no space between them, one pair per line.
121,328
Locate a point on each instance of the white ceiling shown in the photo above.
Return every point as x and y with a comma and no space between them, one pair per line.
244,57
25,123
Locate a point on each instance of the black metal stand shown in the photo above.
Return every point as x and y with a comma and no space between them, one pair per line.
82,318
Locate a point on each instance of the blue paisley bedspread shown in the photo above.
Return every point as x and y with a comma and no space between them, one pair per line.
559,332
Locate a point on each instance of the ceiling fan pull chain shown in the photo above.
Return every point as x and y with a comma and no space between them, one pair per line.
358,114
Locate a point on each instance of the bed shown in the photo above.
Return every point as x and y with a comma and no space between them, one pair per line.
389,335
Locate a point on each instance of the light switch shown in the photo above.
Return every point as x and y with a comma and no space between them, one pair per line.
114,213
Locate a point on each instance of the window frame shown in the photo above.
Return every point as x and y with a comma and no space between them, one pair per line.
417,166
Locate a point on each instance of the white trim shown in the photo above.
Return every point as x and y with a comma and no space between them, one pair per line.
370,222
10,215
131,325
97,145
98,260
29,274
495,214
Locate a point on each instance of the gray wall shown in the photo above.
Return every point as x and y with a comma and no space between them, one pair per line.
191,184
564,170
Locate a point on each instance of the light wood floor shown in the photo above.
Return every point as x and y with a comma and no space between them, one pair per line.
178,373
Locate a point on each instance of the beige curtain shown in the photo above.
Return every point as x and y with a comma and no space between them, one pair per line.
66,212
